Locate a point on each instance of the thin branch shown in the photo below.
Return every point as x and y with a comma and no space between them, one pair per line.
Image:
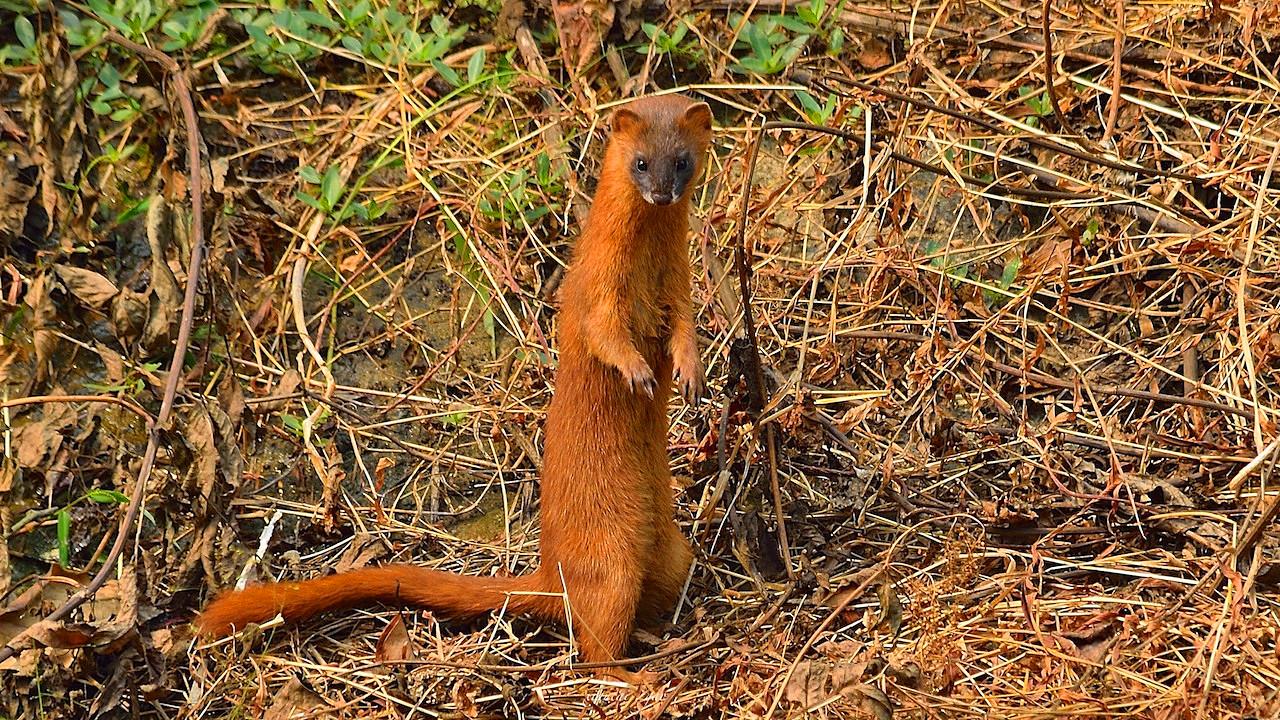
173,381
757,371
125,403
1049,82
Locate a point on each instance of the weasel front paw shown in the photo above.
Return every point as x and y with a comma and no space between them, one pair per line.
639,376
689,377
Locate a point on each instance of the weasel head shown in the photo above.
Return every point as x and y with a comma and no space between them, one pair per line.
660,142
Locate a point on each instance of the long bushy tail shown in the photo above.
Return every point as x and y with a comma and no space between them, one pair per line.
393,585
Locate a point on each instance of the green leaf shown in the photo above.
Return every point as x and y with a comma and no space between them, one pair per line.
314,18
309,174
292,422
109,76
64,537
173,29
107,496
358,13
449,74
331,187
490,325
1090,231
311,200
808,102
542,164
790,52
25,31
1010,272
794,25
113,92
678,34
257,34
134,210
758,40
116,23
835,41
475,66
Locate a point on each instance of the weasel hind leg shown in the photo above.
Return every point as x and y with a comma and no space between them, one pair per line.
602,619
666,575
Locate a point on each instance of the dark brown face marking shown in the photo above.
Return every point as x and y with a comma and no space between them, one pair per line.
667,136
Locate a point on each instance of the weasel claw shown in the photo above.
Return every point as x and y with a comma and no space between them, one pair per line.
642,378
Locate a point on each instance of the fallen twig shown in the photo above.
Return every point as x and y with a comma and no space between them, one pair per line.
173,380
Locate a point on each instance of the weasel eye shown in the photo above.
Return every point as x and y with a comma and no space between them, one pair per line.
682,164
641,165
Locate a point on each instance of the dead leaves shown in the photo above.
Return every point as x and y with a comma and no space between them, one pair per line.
109,618
54,114
89,287
395,644
581,25
165,294
16,190
295,700
43,318
35,441
817,682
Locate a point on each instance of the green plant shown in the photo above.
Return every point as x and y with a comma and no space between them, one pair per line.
1090,232
671,43
819,113
111,100
96,495
478,282
1040,105
807,19
811,19
284,38
64,537
184,27
475,71
509,197
292,423
131,18
112,155
298,426
391,37
125,206
770,50
25,51
548,177
132,383
1005,282
285,34
332,191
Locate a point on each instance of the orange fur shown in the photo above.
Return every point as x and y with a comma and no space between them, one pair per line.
609,537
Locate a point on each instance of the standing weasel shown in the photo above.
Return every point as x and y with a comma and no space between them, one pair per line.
609,536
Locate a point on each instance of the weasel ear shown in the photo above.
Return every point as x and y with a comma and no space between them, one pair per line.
625,120
698,115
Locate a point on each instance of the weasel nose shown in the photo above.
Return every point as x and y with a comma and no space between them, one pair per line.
662,198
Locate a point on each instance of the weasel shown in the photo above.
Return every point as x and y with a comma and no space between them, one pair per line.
609,536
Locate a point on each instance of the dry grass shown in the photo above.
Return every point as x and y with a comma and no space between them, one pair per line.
1027,425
